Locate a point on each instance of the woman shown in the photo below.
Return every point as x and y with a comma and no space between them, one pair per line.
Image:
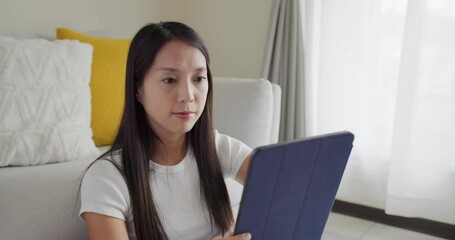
163,178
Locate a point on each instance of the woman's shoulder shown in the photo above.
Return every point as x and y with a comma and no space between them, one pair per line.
231,153
223,140
221,137
104,190
108,165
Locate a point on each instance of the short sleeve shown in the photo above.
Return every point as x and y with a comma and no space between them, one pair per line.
231,153
104,191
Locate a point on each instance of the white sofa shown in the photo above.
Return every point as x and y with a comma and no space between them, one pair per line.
39,202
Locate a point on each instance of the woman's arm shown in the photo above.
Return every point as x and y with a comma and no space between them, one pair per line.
243,171
104,227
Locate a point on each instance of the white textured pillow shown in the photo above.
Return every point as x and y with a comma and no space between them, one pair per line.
44,101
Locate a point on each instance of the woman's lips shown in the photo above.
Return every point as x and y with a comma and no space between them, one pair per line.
183,115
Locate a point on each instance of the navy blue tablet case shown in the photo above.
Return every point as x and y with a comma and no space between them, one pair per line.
291,187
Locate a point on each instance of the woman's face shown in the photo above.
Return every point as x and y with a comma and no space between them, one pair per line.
174,90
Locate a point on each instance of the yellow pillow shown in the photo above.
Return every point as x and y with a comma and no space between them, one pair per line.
107,83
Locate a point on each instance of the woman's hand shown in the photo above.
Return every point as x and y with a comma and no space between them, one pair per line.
230,236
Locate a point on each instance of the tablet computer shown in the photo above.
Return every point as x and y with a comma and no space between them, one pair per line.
291,187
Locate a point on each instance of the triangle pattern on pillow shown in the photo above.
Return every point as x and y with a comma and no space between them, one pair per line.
71,141
36,61
69,103
34,144
13,115
5,99
5,61
34,100
64,66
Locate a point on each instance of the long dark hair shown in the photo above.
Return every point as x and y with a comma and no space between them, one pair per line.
137,141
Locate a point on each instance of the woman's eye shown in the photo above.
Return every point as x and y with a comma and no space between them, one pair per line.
200,79
169,80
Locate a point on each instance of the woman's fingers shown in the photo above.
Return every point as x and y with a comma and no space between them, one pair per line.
230,236
243,236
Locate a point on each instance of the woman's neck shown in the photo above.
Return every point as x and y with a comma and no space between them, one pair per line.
171,151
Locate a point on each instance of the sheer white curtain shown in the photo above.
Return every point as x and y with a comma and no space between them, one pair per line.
385,69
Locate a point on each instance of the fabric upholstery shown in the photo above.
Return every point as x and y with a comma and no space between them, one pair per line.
245,109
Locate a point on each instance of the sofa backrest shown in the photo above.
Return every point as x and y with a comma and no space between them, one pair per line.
247,109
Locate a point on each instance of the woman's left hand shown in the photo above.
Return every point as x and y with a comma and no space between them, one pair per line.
230,236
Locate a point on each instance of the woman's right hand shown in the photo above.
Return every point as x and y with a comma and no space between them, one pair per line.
230,236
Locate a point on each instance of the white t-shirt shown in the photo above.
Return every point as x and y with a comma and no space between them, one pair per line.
175,190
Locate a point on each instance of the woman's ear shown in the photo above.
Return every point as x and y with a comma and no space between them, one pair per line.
139,94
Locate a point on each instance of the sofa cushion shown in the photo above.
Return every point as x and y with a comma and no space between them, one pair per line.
107,84
44,101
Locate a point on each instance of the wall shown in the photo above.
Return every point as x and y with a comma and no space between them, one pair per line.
117,18
234,30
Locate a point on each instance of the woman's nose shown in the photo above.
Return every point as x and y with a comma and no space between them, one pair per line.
186,93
